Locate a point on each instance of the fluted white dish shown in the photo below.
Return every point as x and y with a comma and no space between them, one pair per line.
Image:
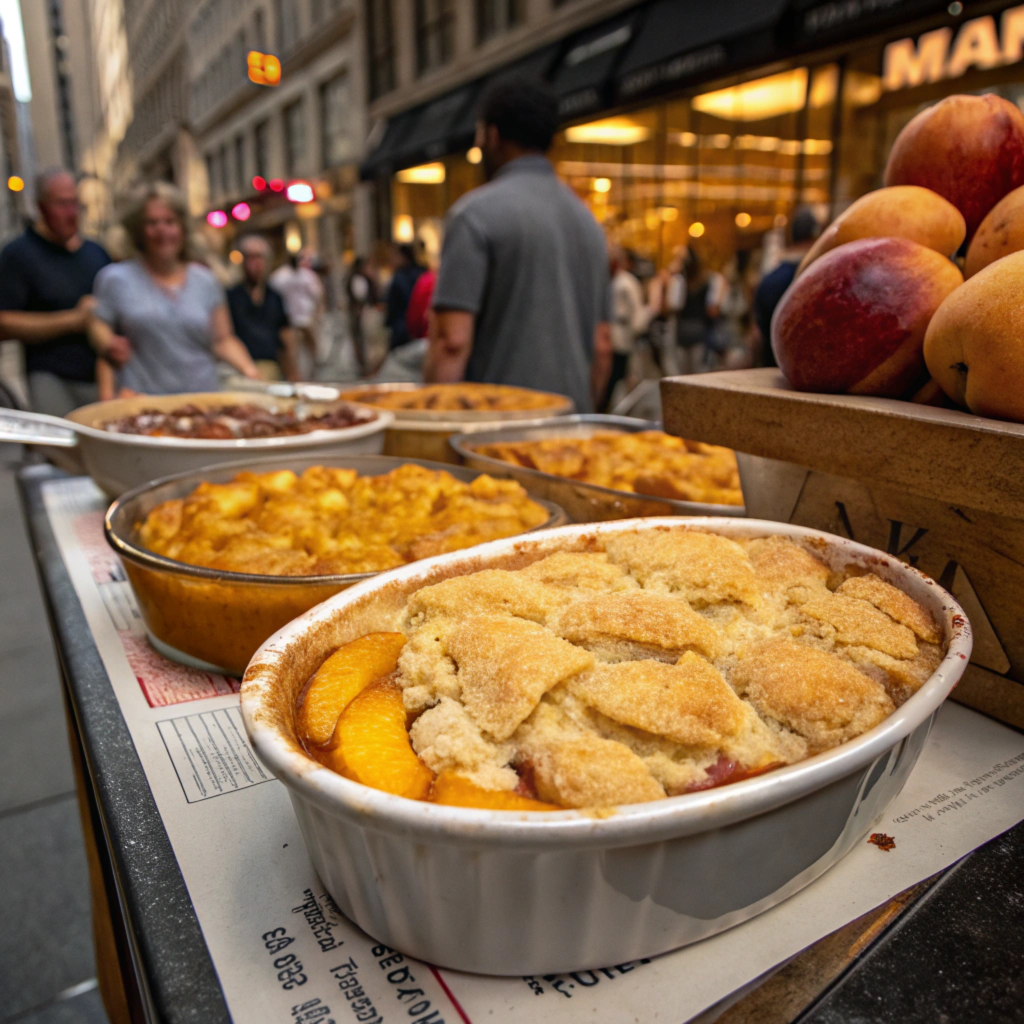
499,892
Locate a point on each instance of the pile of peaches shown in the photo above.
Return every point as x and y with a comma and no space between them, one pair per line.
880,304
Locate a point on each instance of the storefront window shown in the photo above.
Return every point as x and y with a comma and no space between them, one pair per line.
420,197
715,170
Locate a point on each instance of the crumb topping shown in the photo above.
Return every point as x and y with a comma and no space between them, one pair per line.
671,661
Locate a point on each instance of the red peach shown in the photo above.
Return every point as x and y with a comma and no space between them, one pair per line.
969,149
854,321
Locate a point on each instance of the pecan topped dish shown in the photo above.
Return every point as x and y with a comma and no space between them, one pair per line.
661,663
235,422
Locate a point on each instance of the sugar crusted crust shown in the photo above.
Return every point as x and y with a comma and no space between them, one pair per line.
671,661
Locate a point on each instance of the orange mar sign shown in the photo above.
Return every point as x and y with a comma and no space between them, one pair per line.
980,43
264,68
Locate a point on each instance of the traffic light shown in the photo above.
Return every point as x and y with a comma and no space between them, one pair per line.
264,68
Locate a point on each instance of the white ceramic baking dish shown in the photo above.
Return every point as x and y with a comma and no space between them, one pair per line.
511,893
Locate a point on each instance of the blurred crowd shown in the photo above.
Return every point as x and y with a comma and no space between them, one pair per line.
528,291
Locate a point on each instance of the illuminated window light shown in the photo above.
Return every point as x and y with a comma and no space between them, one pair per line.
474,155
424,174
402,229
259,183
669,213
292,237
276,185
235,256
611,131
722,141
602,184
217,219
696,229
687,139
743,220
241,211
15,183
784,93
300,192
264,68
817,147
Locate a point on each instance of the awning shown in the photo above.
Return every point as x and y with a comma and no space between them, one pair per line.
584,77
445,125
812,23
536,66
678,42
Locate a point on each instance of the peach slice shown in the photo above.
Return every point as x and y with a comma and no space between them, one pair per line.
455,791
371,744
341,678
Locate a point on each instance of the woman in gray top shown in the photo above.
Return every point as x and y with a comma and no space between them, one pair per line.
172,311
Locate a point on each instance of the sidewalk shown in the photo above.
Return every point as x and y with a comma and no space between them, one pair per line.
47,970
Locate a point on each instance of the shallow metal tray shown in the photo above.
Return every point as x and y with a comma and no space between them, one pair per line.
583,503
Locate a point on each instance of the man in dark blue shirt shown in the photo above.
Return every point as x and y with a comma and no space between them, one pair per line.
407,273
258,313
46,277
803,231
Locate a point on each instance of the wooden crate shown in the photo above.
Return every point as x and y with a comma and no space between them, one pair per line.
940,489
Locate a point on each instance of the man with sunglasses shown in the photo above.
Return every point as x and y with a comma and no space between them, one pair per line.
46,279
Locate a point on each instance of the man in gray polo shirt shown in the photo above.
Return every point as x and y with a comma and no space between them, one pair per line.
523,290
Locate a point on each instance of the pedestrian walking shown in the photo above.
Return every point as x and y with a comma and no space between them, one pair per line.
303,292
172,310
698,321
258,315
46,280
522,292
803,230
630,317
407,271
361,290
417,317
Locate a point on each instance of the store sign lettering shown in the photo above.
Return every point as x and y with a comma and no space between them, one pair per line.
937,55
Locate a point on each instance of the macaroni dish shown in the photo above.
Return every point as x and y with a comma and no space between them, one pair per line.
463,397
333,521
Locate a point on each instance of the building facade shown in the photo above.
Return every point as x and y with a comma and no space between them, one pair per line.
254,140
683,125
81,102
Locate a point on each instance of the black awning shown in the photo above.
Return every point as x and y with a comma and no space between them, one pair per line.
436,130
813,23
585,74
381,159
680,42
536,65
445,125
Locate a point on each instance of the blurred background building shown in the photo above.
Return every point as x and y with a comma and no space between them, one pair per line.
684,123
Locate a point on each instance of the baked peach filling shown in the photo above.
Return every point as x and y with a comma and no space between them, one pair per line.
674,661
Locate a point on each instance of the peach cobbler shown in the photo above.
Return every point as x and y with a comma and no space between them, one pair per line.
334,521
463,397
649,462
664,662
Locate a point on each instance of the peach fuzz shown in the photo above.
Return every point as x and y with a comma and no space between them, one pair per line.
969,149
855,320
974,346
903,211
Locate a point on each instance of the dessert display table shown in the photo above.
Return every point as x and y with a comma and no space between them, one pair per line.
186,888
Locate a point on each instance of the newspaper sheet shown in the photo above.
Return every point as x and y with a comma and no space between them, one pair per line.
284,953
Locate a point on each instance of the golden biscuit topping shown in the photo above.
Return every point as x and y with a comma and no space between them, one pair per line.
329,521
674,660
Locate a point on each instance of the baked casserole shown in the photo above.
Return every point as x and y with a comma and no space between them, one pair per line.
656,664
221,559
461,397
648,462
